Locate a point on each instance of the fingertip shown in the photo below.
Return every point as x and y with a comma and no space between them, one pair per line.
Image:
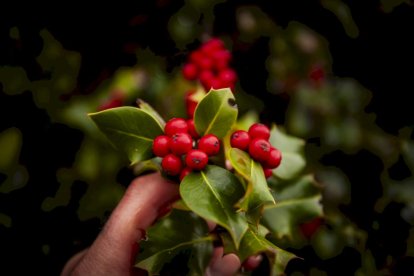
225,265
232,264
252,262
73,262
211,225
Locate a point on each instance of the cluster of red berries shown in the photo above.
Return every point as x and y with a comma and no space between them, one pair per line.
255,141
210,65
182,149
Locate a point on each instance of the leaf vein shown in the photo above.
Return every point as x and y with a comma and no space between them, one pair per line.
128,134
214,118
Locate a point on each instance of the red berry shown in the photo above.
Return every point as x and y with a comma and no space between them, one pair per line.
240,139
259,131
221,59
259,150
190,104
111,103
161,146
171,164
205,63
196,159
275,157
222,55
181,143
206,78
191,129
310,227
317,73
216,83
267,172
185,172
228,76
211,46
175,125
196,56
190,71
210,144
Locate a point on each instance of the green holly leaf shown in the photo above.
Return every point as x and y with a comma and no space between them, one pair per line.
254,243
257,193
130,129
292,148
216,113
10,144
297,202
212,194
178,231
150,110
16,174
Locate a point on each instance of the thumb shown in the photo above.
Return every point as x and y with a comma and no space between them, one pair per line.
110,254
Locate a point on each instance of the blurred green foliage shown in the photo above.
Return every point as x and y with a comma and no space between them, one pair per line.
320,107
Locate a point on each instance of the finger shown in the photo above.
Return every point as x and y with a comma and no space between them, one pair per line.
72,263
211,225
136,211
252,262
220,265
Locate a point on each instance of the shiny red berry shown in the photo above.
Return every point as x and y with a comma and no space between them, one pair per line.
191,129
210,144
259,150
274,159
175,125
196,159
267,172
240,139
171,164
185,172
190,71
181,143
161,145
259,131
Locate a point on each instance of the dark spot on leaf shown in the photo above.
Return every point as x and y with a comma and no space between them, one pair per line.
232,102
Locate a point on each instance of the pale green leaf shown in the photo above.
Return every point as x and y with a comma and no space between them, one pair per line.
284,218
212,194
130,129
216,113
292,148
257,193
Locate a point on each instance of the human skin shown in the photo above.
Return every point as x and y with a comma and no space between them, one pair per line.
114,250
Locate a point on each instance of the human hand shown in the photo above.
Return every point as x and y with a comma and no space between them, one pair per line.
113,252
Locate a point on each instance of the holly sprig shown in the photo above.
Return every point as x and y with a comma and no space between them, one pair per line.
236,186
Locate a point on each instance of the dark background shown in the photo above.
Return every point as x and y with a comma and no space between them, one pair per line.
381,58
